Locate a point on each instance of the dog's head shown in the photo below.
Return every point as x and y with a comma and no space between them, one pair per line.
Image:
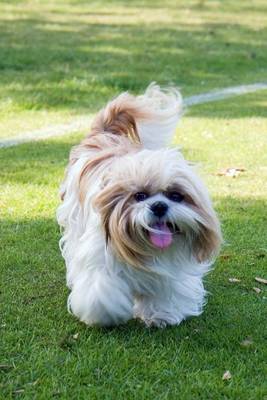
148,200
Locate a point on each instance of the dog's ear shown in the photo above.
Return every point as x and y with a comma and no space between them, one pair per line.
208,239
114,206
207,242
105,202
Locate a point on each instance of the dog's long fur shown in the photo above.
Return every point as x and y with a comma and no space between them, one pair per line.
114,272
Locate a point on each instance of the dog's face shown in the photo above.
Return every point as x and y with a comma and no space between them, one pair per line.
148,200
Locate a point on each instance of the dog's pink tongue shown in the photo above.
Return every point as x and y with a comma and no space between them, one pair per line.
163,238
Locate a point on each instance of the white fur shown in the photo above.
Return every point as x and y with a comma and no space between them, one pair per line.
107,291
167,106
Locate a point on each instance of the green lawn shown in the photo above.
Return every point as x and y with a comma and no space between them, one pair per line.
184,362
64,59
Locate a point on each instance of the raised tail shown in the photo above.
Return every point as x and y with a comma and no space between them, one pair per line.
149,119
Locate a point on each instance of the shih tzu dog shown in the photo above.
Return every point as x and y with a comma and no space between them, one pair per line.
139,229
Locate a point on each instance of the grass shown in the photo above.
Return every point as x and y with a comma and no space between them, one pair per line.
64,59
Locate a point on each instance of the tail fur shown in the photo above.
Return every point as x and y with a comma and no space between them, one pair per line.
149,119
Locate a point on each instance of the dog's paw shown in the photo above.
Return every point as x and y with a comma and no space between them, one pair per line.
161,320
155,323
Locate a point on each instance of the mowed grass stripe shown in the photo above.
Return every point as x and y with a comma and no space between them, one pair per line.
60,60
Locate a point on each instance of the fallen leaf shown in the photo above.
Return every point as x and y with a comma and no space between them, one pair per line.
75,336
234,280
226,376
261,280
257,290
232,172
247,342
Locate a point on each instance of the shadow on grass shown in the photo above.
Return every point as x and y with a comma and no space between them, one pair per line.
77,65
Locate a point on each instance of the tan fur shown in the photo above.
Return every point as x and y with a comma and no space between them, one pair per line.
208,241
113,133
114,206
119,117
104,148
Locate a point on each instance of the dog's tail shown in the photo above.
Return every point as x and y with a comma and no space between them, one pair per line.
149,119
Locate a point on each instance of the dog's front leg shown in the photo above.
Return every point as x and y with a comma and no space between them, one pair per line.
156,311
172,304
101,299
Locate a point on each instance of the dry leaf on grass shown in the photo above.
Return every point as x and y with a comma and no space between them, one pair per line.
261,280
257,289
234,280
247,342
232,172
226,376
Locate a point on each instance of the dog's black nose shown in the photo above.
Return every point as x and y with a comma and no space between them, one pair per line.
159,208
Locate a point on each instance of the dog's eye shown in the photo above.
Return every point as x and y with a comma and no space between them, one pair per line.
175,196
140,196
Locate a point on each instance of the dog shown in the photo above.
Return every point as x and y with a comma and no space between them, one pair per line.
139,229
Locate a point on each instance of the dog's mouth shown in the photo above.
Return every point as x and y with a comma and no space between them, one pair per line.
162,234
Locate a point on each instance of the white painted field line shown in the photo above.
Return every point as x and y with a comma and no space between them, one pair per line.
50,131
84,122
222,94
